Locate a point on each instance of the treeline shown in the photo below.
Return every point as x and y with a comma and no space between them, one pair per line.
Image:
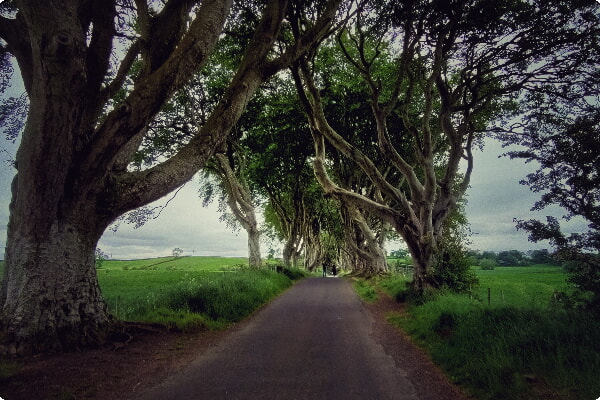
510,258
506,258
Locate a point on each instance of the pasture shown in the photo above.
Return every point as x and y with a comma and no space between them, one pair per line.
187,293
518,343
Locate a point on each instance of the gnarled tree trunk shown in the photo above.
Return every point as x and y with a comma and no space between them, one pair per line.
51,290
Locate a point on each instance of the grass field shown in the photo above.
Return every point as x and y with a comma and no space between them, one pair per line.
187,293
521,286
140,290
519,345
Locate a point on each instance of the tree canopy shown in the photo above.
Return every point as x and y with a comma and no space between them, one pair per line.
129,99
448,70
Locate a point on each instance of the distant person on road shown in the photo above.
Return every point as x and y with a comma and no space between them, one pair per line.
326,262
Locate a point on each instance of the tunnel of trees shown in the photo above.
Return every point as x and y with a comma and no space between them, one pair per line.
345,123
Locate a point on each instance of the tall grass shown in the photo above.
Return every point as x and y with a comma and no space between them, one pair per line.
365,290
188,293
226,298
520,345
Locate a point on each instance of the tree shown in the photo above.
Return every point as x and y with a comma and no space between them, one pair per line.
542,256
99,258
452,267
511,258
177,252
457,66
237,196
563,138
87,117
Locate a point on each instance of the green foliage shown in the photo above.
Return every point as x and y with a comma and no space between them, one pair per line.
487,264
452,267
400,253
584,274
521,346
511,258
99,258
228,297
365,289
396,286
515,345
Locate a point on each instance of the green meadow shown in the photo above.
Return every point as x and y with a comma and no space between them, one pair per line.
188,293
511,338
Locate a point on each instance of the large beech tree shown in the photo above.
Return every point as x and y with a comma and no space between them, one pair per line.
456,63
86,119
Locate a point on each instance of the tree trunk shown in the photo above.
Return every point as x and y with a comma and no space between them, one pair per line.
287,252
239,200
254,258
422,252
50,294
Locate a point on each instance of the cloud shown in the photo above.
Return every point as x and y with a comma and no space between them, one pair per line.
496,198
184,223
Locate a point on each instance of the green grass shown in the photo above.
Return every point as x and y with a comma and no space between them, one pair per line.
188,293
365,290
521,286
205,264
521,345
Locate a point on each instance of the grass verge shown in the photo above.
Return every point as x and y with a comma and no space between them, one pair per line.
365,289
518,345
189,298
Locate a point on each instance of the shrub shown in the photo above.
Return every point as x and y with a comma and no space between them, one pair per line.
99,257
294,273
487,264
452,271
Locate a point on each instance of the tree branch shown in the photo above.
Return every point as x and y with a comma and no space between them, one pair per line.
98,54
149,185
14,32
319,123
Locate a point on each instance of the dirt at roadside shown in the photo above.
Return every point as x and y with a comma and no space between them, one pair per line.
115,371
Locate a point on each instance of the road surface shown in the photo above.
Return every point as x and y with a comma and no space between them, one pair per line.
316,341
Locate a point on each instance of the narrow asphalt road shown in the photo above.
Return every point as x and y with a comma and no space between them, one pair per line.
314,342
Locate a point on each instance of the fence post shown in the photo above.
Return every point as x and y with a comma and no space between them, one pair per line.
489,296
